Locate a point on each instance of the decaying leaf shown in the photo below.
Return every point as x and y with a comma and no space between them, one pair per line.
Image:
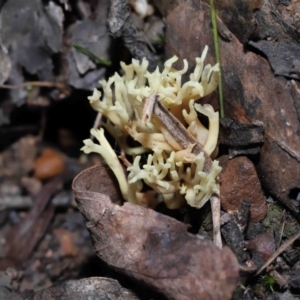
31,33
234,134
251,92
87,288
91,34
283,57
277,36
238,16
151,247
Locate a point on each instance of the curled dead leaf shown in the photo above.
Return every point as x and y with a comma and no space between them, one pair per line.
151,247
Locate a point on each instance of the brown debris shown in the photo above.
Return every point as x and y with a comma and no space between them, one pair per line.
66,240
31,184
234,134
251,92
17,160
239,181
49,164
152,247
23,237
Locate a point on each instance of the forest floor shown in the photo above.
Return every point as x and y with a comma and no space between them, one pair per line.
52,56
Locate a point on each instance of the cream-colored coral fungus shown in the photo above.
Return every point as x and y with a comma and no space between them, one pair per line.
173,171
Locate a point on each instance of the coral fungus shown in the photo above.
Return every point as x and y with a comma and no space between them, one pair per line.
172,169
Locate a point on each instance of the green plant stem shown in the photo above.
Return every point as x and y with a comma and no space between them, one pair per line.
217,53
91,55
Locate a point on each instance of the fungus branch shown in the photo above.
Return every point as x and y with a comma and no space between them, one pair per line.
105,150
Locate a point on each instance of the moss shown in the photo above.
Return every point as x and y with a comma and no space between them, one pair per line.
269,282
290,229
273,219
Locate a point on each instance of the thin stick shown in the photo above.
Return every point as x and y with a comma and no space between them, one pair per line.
278,252
216,219
179,132
185,139
148,105
33,83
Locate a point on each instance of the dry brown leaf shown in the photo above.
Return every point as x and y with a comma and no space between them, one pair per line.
251,92
151,247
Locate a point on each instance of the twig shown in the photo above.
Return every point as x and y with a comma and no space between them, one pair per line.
215,209
278,252
148,106
25,202
185,139
179,132
33,83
